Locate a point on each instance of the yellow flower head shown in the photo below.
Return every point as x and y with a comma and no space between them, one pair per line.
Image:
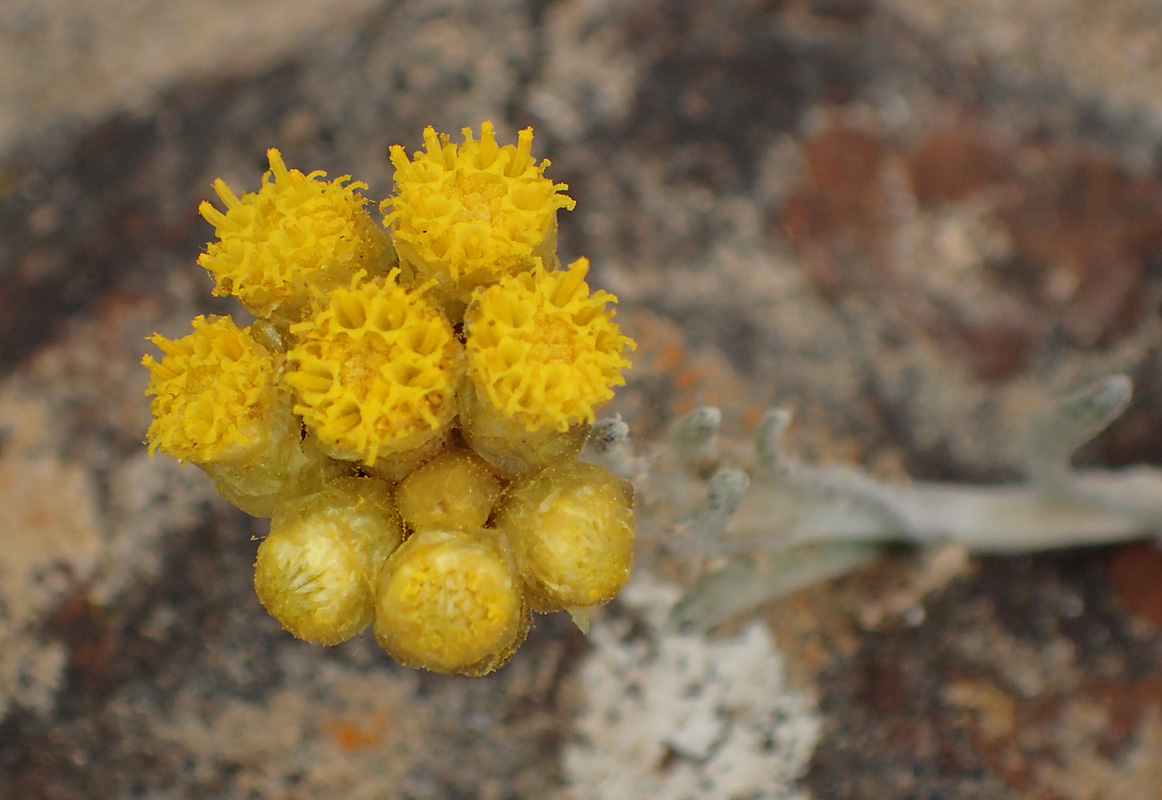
450,602
375,370
212,393
469,214
297,232
543,350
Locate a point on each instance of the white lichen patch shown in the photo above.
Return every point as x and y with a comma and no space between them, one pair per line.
50,541
681,717
60,535
149,499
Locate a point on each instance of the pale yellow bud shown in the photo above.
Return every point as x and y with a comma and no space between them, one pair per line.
450,602
315,572
455,490
571,532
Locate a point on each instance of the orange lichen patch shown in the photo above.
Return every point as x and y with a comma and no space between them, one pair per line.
672,357
709,379
1084,231
841,222
692,377
994,347
662,346
1057,239
838,217
1126,705
1134,571
994,710
683,405
90,636
751,416
687,379
953,165
1097,741
353,735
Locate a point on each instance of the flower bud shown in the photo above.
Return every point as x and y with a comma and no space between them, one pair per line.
450,602
571,532
316,570
455,490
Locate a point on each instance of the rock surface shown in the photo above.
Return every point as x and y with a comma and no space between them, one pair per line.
911,221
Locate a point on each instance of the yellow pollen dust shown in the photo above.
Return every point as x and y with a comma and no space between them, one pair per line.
543,350
211,391
375,370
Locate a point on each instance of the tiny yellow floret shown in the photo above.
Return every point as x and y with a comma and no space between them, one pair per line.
448,601
469,214
375,370
213,392
297,233
542,350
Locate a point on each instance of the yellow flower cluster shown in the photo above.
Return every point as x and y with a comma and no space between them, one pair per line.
410,425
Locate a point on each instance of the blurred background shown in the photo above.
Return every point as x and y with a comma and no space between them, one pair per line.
911,221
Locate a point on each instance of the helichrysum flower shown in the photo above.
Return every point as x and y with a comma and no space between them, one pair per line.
572,535
468,214
375,370
213,393
298,233
449,601
464,380
315,573
542,350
